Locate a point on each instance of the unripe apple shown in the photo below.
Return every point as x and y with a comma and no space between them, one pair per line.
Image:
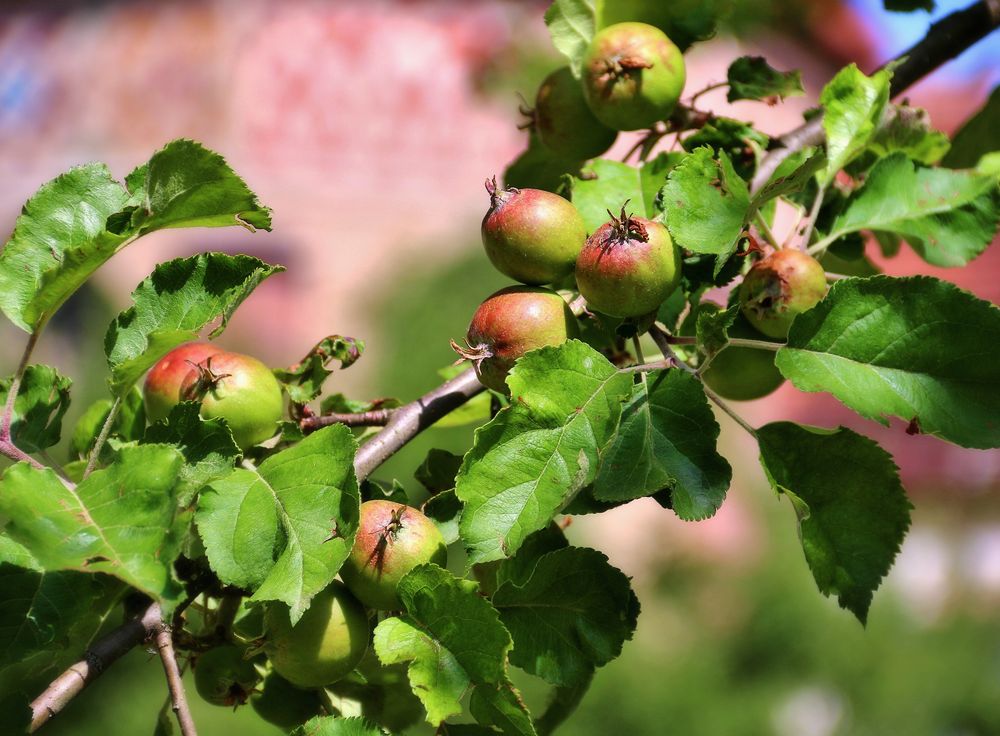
780,287
324,645
738,373
564,122
286,706
241,390
532,235
162,390
392,539
628,267
633,75
223,677
511,322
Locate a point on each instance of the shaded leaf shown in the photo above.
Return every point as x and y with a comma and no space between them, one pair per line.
41,403
852,510
908,130
667,441
304,380
571,25
207,445
977,137
752,78
608,185
572,614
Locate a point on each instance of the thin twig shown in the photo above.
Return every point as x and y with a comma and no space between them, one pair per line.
740,342
101,655
373,418
665,342
765,230
7,446
703,90
102,437
657,365
945,40
717,400
811,220
165,647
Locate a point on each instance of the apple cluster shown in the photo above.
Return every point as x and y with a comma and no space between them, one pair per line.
281,674
632,77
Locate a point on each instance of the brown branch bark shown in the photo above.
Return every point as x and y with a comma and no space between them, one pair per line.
411,419
945,40
102,654
373,418
165,647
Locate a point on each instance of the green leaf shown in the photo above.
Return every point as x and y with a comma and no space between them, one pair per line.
852,510
908,130
853,106
571,24
336,726
741,142
684,21
573,614
122,520
173,304
39,408
207,445
501,706
536,454
706,205
562,704
304,381
438,470
948,217
977,137
712,328
59,240
792,175
445,510
285,529
916,348
451,636
752,78
667,440
47,620
186,185
129,424
608,185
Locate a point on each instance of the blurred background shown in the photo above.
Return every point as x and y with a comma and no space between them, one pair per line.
369,127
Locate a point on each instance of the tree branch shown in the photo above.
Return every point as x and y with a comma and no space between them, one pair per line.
945,40
373,418
98,657
411,419
165,647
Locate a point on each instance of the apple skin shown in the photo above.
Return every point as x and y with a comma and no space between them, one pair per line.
324,645
286,706
223,677
509,323
628,267
241,390
563,120
780,287
633,75
392,539
531,235
162,389
743,374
